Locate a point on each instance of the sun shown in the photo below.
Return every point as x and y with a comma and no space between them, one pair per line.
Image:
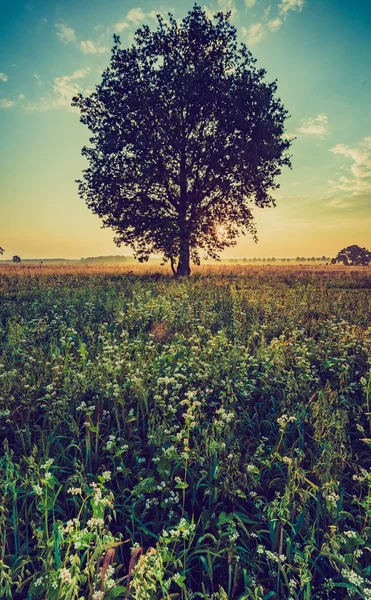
221,231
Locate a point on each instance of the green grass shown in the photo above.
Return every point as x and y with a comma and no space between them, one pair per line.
221,425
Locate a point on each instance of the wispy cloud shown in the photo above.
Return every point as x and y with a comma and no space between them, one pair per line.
254,34
6,103
286,6
121,26
339,203
135,16
64,88
228,6
314,126
4,77
88,47
258,31
274,24
359,179
65,34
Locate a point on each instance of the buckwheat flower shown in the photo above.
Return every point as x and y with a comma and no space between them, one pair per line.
98,595
106,475
234,536
74,491
65,576
174,533
352,577
333,498
71,525
134,547
37,489
358,478
358,553
350,534
260,549
95,522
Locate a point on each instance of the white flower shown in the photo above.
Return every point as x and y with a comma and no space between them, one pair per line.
352,576
71,525
95,522
350,534
74,491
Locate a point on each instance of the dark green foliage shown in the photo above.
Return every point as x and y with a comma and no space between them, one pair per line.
225,422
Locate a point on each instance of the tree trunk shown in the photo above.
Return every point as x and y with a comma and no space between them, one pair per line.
184,269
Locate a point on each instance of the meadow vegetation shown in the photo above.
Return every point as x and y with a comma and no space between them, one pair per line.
202,438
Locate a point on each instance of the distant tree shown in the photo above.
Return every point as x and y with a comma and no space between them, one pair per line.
333,261
354,255
16,259
186,137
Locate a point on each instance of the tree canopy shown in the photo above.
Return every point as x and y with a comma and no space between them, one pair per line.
353,255
186,137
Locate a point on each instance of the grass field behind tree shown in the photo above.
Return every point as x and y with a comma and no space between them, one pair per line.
217,430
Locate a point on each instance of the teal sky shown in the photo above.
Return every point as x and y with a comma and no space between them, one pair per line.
318,50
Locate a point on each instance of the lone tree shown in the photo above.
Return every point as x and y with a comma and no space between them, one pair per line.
353,255
17,259
186,137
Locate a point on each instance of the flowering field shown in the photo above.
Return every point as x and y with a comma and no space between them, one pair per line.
168,439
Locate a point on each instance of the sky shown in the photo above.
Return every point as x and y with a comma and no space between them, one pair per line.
318,50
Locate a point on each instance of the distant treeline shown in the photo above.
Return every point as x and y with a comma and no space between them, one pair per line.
274,259
94,260
107,259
